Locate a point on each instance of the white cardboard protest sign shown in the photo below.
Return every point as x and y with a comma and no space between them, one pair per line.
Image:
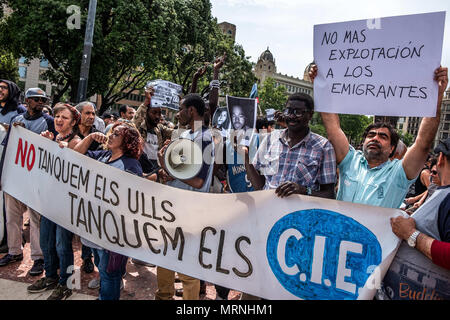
298,247
166,94
379,66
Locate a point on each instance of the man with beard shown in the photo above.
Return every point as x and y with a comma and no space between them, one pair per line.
368,176
294,160
10,107
147,120
9,101
36,121
190,115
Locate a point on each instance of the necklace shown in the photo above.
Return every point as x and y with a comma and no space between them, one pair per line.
58,139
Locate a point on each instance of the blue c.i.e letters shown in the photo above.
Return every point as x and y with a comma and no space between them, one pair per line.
320,254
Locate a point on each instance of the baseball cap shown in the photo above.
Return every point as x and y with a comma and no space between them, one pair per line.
444,147
35,92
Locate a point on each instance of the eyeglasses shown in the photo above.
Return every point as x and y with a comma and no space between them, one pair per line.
434,172
4,87
295,112
37,99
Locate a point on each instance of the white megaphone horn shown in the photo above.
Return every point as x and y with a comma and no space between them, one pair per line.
183,159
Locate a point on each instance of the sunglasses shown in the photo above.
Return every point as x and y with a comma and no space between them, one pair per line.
434,172
37,99
4,87
295,112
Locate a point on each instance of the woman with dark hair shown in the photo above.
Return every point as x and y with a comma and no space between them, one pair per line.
55,241
221,120
124,147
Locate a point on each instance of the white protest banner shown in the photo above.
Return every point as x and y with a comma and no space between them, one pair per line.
166,94
293,248
379,66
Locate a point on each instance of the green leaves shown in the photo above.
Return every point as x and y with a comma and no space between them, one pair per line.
134,41
8,67
271,97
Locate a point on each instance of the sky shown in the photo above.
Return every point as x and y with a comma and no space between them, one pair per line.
286,26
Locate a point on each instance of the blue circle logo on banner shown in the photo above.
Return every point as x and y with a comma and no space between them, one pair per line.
320,254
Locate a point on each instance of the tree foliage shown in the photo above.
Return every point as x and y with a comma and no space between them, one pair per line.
406,137
271,96
134,41
352,125
8,66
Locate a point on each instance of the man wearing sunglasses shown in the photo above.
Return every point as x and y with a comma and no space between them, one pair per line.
294,160
367,176
36,121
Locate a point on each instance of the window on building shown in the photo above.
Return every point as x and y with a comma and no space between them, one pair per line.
446,126
23,72
43,63
444,135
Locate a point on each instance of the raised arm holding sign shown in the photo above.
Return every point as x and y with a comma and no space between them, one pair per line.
379,143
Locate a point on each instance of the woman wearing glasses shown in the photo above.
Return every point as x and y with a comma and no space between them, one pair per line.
124,147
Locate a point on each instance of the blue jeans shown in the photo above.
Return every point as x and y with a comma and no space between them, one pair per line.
109,281
65,253
47,241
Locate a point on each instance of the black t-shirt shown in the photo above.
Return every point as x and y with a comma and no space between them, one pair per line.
94,145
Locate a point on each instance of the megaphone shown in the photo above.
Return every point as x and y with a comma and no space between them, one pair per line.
183,159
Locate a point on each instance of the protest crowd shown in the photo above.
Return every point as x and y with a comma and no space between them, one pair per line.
381,172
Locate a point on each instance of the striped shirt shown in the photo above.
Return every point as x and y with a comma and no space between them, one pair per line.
309,163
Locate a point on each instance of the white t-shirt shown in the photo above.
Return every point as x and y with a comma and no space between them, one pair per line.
151,146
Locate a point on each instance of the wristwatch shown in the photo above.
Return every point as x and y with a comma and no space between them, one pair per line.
412,239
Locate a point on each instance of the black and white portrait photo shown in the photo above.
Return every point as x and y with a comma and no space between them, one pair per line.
242,113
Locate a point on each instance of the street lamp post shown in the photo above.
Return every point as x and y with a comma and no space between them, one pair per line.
88,44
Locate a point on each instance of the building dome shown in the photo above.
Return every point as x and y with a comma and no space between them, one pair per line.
266,55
